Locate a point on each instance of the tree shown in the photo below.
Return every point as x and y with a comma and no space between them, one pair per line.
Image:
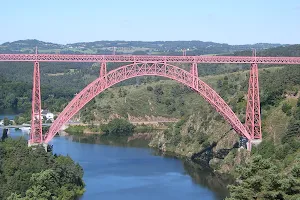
35,174
220,83
262,179
158,91
16,120
286,108
149,88
294,128
6,121
4,134
118,127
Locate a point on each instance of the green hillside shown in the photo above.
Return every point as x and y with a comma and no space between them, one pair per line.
194,47
291,50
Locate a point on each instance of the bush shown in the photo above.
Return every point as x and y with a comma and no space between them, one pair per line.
293,129
6,121
262,179
171,109
149,88
297,114
158,91
286,108
118,127
75,130
206,144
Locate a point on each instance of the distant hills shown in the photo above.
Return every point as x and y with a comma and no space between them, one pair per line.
290,50
131,47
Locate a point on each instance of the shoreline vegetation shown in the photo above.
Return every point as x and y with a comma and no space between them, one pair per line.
27,173
116,132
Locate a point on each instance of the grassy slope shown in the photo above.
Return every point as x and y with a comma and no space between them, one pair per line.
200,122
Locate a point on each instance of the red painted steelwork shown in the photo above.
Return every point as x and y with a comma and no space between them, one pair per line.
141,69
36,119
149,65
147,59
102,69
253,120
194,72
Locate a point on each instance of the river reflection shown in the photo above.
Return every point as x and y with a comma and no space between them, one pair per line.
200,174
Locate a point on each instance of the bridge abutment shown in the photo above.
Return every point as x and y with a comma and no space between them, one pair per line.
46,146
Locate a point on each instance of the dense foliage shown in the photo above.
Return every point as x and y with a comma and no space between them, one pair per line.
275,85
34,174
14,95
264,180
118,127
274,168
75,130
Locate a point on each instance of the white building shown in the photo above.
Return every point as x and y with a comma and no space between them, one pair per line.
48,115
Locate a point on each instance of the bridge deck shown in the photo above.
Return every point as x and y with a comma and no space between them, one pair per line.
146,58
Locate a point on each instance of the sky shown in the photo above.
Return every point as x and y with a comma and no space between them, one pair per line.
222,21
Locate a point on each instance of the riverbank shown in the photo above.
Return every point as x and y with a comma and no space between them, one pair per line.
36,174
143,140
200,174
118,172
142,136
157,138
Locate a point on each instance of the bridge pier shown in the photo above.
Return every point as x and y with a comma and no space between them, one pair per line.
36,118
46,146
253,118
34,145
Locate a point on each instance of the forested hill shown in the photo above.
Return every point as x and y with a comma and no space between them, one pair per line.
194,47
290,50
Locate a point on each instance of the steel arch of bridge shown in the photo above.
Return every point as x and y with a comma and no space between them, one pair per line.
115,76
150,65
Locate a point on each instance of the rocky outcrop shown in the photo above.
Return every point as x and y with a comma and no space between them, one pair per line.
202,136
144,136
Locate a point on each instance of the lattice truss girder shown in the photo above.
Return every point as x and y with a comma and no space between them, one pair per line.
147,59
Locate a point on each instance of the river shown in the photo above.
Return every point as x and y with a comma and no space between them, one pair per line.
112,172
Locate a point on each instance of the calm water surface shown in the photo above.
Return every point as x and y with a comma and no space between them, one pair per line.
112,172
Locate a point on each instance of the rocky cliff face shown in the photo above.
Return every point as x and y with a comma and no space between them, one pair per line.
189,136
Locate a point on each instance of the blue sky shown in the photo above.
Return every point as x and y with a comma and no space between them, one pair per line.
225,21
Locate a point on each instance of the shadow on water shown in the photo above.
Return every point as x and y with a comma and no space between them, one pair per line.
207,178
119,141
202,174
